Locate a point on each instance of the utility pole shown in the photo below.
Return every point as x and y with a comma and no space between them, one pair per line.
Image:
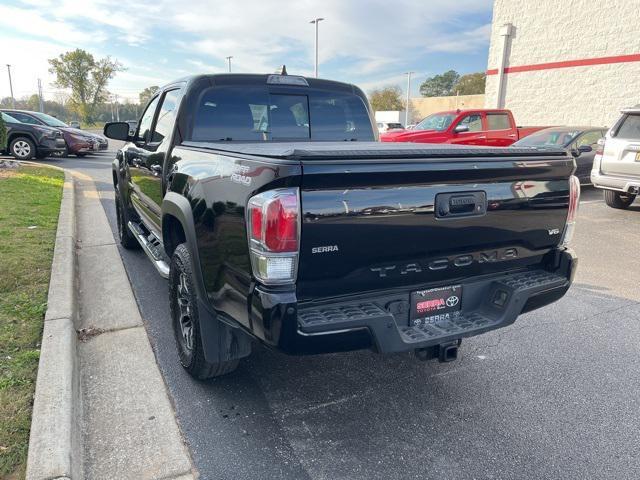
117,110
13,100
316,21
229,61
406,110
40,100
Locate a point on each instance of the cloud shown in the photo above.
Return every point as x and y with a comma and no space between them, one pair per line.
366,42
35,23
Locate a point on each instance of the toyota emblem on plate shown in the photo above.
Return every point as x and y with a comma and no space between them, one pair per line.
452,301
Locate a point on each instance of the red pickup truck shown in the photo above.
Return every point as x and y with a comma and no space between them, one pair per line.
489,127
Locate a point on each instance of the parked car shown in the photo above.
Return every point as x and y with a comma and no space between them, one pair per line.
307,235
488,127
74,124
616,167
388,126
26,141
78,142
133,124
582,142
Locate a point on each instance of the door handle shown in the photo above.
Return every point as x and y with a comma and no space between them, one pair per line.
462,204
512,134
481,137
156,169
136,162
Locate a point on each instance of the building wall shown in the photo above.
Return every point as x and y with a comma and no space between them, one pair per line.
423,106
576,31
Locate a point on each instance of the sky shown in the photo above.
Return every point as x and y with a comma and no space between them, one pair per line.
369,43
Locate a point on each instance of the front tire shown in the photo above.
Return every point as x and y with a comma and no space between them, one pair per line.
127,240
618,199
22,148
186,321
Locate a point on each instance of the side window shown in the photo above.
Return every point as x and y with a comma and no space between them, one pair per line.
25,118
589,138
166,116
474,121
498,121
144,129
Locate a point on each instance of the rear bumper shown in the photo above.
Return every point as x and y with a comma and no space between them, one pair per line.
381,322
615,182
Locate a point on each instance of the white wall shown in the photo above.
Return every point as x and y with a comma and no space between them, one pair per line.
392,116
552,31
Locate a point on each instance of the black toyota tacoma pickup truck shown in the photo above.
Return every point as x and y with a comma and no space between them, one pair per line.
277,217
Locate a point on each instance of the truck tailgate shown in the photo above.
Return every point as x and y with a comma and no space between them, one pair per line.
377,224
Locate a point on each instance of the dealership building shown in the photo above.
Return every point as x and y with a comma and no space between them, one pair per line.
573,62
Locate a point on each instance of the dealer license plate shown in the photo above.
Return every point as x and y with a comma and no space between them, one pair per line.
435,304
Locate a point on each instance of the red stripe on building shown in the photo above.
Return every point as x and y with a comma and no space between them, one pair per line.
569,63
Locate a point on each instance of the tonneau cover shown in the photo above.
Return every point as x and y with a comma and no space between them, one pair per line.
354,150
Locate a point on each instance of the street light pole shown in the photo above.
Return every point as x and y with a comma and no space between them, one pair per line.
406,110
229,61
316,21
13,100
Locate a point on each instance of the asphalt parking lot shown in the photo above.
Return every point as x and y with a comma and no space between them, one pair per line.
553,396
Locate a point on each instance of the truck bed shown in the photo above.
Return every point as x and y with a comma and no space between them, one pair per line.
370,150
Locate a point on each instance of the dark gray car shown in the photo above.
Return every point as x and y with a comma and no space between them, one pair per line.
581,141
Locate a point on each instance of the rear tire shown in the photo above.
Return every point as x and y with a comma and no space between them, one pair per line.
22,148
186,321
127,240
618,199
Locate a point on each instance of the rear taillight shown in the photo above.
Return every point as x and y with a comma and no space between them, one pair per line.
574,200
274,235
597,158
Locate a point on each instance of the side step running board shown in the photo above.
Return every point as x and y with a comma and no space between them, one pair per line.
152,247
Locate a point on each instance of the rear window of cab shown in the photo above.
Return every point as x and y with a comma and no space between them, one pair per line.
254,114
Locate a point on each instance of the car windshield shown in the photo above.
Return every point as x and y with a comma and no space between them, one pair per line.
552,138
437,121
49,120
256,114
9,118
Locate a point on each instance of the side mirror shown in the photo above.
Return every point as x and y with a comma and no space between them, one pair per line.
461,128
117,130
585,148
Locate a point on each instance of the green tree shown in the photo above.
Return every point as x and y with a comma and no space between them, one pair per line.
33,103
3,134
87,78
470,84
440,85
386,98
146,94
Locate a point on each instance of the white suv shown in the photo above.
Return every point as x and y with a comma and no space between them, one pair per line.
616,166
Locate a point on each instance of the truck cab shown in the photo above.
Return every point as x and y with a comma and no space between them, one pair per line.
487,127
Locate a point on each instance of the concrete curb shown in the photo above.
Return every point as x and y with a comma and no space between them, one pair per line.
55,442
